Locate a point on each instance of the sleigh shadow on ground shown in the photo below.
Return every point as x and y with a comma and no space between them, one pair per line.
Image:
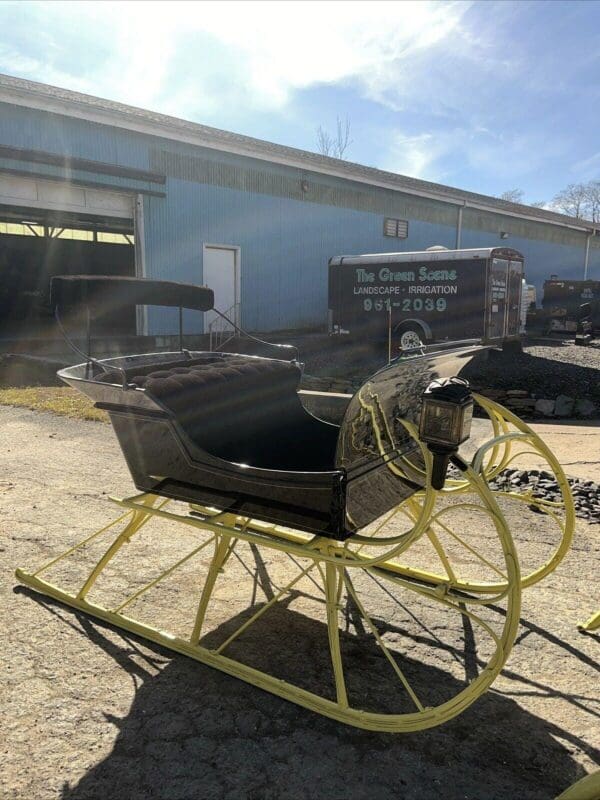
193,732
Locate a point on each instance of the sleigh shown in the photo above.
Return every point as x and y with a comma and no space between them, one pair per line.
324,502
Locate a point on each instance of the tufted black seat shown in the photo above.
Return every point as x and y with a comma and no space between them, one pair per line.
241,409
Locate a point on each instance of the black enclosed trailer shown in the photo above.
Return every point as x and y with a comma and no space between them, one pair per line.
407,299
562,301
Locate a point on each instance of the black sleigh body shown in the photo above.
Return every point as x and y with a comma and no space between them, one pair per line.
233,432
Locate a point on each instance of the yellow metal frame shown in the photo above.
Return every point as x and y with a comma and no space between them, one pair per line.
332,562
587,788
504,439
497,455
591,624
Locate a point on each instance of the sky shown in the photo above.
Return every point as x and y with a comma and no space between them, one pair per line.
484,96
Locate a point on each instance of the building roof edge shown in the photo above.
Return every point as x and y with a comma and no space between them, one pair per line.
24,92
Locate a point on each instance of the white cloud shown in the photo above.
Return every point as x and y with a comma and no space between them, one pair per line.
196,60
444,155
433,156
260,52
413,155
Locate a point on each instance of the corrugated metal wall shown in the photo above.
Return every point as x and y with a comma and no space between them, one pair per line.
285,245
31,129
286,232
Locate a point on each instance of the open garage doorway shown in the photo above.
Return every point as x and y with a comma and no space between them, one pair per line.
38,243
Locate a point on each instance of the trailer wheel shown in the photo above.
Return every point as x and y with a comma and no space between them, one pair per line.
410,336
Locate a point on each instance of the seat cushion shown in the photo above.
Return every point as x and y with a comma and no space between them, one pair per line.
113,376
252,376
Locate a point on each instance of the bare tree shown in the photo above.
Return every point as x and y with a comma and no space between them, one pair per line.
572,200
512,195
324,142
592,192
343,141
539,204
334,146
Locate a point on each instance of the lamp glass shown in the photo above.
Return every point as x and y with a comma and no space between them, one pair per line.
444,423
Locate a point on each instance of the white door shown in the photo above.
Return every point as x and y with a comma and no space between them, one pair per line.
221,274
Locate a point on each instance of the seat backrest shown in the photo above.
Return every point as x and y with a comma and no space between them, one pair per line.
112,291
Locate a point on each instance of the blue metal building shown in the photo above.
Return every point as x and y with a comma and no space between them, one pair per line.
255,220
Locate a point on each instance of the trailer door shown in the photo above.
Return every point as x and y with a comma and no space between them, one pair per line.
513,305
497,298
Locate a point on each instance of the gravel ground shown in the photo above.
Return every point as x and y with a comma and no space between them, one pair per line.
586,493
91,713
547,367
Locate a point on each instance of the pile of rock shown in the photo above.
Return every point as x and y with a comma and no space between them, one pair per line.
542,484
528,404
522,402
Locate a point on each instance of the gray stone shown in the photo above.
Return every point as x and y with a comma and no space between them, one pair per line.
520,402
585,408
545,407
564,405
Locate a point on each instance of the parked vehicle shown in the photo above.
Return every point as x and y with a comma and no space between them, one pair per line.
562,300
411,299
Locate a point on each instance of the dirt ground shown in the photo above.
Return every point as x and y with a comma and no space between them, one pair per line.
90,712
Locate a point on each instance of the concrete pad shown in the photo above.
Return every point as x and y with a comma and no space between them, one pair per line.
575,443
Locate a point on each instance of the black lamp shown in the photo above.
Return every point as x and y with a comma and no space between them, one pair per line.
445,422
